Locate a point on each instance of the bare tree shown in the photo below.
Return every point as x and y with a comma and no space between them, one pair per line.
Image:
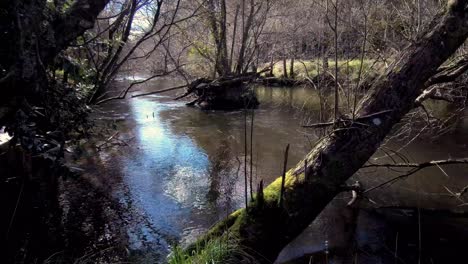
161,17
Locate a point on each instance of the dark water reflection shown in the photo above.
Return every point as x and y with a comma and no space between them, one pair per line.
184,169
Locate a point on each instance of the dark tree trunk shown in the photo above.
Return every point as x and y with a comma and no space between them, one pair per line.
234,34
325,65
266,228
223,52
291,69
245,36
285,68
272,65
107,71
33,41
218,29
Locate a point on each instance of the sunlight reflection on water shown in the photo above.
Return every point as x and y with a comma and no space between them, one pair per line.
168,175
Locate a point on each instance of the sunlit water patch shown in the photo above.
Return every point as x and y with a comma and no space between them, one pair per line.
168,175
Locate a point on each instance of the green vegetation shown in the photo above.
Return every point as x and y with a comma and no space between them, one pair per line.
310,68
216,250
221,242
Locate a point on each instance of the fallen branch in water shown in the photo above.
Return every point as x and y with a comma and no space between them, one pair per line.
419,165
204,89
223,89
160,91
202,83
124,92
415,168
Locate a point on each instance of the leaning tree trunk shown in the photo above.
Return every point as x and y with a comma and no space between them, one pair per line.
265,227
218,30
107,71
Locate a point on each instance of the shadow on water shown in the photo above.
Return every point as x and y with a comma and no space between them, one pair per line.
184,169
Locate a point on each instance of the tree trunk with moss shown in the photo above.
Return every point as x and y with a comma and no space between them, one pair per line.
265,228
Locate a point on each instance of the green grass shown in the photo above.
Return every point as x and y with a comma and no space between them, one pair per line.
216,250
310,67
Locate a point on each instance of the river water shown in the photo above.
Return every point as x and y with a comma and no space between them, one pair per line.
182,169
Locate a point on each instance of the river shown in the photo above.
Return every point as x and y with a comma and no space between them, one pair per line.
182,169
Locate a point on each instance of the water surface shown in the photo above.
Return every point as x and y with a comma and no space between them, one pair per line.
184,168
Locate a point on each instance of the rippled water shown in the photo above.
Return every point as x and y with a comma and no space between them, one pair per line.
183,169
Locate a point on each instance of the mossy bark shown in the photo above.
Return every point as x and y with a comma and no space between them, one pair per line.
316,180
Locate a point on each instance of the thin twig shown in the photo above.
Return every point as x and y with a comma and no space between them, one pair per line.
251,151
283,179
245,158
419,165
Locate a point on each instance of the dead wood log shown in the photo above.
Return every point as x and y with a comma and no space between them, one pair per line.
266,230
225,92
229,92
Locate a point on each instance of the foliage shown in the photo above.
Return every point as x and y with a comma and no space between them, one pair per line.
214,251
45,127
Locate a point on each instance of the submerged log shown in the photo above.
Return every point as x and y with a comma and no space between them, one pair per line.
263,231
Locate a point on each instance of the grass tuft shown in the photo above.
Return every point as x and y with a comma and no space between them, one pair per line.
216,250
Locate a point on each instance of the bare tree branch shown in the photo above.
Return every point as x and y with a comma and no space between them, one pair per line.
415,168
